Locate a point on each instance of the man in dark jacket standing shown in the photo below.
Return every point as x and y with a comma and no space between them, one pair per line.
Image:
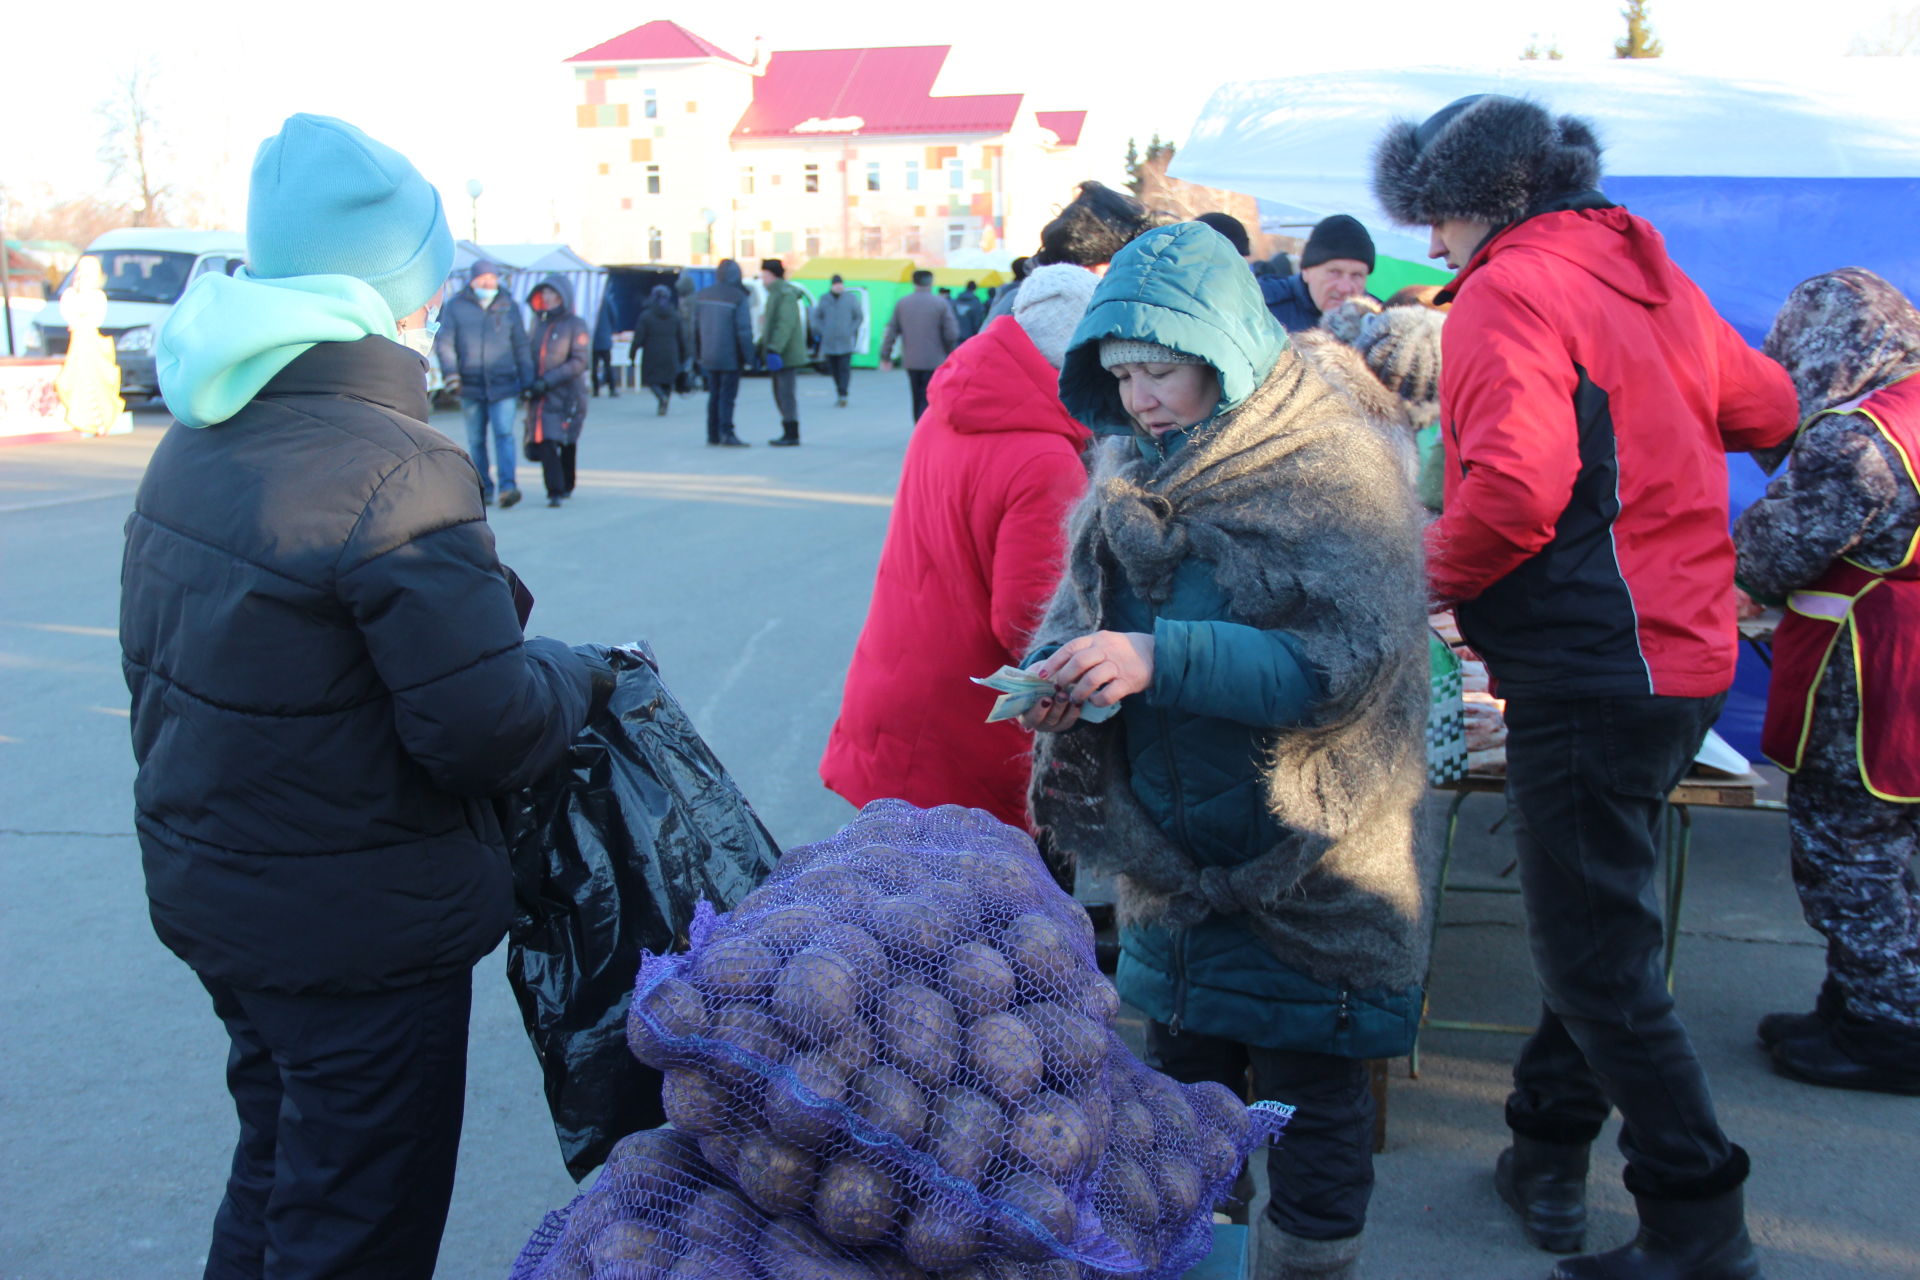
1333,267
603,371
924,326
483,353
723,344
1590,398
837,320
329,687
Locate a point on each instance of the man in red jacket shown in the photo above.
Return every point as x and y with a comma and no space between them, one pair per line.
1589,394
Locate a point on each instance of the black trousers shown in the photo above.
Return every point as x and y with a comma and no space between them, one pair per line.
556,467
1321,1171
841,367
723,388
1587,780
350,1110
917,380
603,372
662,391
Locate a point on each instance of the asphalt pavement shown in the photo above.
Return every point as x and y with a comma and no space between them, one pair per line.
749,571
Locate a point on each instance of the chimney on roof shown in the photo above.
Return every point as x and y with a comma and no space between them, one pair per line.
758,53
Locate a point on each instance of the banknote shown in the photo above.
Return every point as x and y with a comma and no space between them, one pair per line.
1020,692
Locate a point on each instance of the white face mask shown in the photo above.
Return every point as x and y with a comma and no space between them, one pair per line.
486,296
420,341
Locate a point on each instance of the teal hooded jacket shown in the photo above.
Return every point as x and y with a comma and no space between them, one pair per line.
1196,738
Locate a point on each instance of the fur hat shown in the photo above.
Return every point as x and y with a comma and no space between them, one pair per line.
1345,320
1487,158
1843,334
1048,306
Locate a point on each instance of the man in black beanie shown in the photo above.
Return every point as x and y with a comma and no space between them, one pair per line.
1590,399
1333,267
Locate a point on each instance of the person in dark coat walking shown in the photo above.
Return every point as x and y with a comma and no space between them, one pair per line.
483,354
970,310
329,689
656,345
924,326
557,411
603,350
723,346
837,320
683,292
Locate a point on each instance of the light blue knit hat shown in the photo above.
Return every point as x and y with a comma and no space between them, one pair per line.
328,200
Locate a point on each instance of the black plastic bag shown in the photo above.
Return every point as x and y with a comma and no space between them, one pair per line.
610,856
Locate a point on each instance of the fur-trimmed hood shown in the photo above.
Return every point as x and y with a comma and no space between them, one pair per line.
1487,158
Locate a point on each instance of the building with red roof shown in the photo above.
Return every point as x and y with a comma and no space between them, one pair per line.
691,153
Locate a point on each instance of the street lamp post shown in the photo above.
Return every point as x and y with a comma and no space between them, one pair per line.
474,188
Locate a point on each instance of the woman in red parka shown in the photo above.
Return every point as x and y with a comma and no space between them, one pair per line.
971,556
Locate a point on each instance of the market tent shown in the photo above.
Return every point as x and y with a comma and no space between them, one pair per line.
1757,180
528,264
891,270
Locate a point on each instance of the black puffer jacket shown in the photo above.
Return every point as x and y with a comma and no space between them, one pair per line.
328,682
559,339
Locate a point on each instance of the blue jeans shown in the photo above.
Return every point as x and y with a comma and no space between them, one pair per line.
500,414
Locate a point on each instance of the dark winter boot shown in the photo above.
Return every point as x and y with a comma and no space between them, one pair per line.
1852,1053
732,441
1546,1184
1776,1027
789,436
1678,1240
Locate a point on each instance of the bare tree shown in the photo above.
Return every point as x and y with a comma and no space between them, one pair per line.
1639,41
1534,53
1897,37
130,144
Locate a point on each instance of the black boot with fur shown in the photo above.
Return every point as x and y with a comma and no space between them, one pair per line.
1678,1240
1546,1184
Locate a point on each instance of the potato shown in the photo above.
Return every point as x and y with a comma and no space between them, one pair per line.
712,1264
1004,882
939,1235
1173,1116
1219,1159
775,1175
853,1047
859,948
1096,998
794,1121
717,1218
856,1203
1097,1104
913,932
979,980
1052,1134
721,1150
1042,955
816,993
1124,1189
735,964
697,1104
1217,1107
1042,1201
920,1029
1176,1183
885,1264
669,1011
1074,1048
747,1028
966,1133
955,900
841,891
887,1099
653,1157
787,928
1133,1130
1004,1056
1136,1241
793,1236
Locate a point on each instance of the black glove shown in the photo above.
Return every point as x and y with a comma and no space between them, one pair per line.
593,657
538,387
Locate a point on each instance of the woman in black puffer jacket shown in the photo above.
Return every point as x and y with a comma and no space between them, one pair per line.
557,407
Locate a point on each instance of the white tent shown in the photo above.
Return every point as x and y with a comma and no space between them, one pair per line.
1758,179
528,264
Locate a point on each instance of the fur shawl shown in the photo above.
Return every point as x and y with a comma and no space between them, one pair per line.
1305,515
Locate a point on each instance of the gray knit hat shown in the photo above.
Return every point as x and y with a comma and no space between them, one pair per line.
1115,351
1402,347
1049,304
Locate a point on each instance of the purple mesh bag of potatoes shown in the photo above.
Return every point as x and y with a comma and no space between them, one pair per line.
902,1039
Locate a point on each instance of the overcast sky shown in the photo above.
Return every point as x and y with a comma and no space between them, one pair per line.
477,90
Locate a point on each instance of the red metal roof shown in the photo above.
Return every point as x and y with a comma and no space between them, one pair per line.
866,91
655,42
1066,125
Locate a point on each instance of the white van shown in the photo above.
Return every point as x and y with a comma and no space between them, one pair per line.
146,271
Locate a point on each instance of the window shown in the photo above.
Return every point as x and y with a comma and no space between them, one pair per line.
870,241
747,248
956,236
651,108
746,181
910,243
656,245
653,179
956,176
813,242
913,175
873,175
812,174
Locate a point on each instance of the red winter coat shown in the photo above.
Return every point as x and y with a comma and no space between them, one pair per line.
972,554
1589,394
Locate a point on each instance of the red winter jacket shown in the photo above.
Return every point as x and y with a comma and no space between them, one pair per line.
971,556
1589,394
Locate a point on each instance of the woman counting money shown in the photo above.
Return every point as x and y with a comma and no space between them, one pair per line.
1243,580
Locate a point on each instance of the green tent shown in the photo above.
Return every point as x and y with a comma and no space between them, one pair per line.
1390,275
881,282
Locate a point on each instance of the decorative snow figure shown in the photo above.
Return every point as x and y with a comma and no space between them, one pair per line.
89,379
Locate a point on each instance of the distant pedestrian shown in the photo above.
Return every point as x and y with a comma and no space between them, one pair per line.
924,327
483,353
1274,289
603,350
689,372
557,410
837,320
1002,304
1333,267
656,345
783,346
970,310
723,344
330,691
1834,541
973,550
